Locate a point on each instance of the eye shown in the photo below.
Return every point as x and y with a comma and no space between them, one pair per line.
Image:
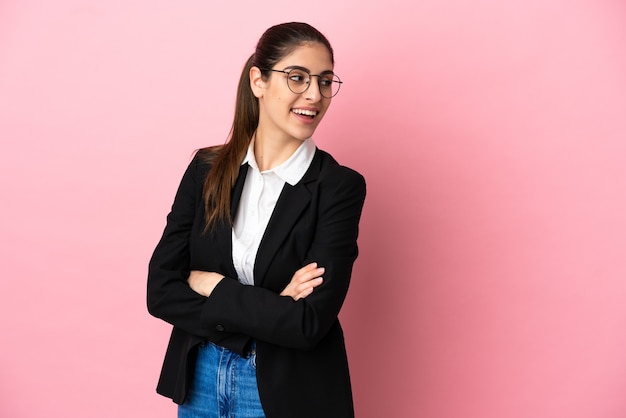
326,81
298,77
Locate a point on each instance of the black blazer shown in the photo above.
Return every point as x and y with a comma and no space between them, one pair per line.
302,370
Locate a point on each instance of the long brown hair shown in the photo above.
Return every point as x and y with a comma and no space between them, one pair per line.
276,43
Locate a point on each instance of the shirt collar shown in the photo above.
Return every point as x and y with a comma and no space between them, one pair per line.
292,170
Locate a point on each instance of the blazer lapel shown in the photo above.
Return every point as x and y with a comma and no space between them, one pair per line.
293,200
224,231
235,195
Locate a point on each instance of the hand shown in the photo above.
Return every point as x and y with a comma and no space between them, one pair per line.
304,281
203,282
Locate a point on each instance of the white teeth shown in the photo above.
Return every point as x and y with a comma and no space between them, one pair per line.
304,112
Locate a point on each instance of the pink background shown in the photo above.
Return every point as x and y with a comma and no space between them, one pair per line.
492,276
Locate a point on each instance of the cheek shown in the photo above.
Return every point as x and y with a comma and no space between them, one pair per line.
279,100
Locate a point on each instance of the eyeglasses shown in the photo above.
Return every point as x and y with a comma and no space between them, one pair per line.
299,80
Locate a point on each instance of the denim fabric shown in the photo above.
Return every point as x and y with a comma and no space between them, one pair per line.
224,386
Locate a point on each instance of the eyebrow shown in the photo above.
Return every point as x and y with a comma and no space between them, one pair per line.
297,67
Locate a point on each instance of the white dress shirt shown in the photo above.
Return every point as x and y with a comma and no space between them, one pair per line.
258,200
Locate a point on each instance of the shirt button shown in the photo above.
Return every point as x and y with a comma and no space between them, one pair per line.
219,327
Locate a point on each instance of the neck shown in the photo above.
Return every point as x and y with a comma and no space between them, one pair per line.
271,152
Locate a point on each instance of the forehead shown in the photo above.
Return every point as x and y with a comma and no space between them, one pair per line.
313,56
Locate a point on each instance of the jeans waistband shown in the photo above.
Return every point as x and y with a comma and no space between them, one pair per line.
249,351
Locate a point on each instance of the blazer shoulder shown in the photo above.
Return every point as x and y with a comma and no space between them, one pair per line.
331,170
192,181
204,158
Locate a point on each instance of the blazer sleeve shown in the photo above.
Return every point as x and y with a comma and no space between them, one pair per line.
169,296
267,316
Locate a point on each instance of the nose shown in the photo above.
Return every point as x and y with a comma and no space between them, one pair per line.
312,93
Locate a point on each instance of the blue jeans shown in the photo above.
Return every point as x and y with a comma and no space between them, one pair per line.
224,386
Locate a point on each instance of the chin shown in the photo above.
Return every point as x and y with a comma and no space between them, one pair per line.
301,136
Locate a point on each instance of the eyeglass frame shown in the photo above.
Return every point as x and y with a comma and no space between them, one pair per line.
289,69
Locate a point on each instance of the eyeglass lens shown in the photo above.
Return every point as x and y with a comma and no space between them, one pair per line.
298,82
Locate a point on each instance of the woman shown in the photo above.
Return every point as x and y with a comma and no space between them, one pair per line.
257,253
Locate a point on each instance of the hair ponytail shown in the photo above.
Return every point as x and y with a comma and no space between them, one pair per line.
227,158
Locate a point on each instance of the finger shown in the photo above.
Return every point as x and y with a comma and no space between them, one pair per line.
304,293
313,274
309,275
315,282
305,290
308,267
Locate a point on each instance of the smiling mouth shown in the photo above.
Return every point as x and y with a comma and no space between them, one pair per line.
304,112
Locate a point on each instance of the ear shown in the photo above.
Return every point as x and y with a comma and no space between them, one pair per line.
257,84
